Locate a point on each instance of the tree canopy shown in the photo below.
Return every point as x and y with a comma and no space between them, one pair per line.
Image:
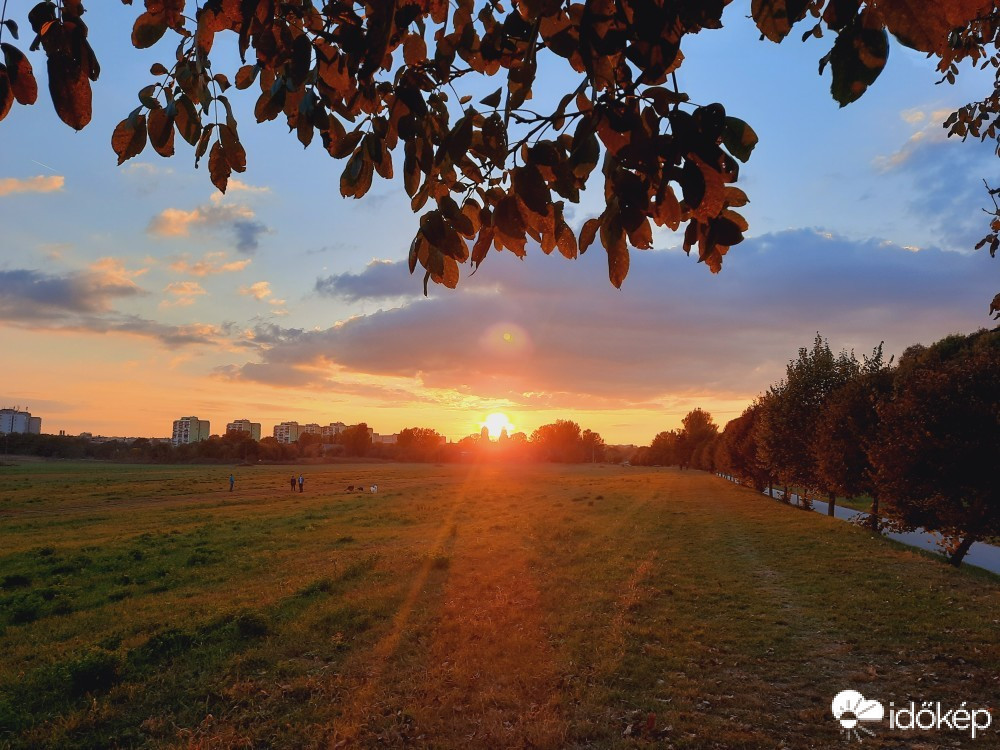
376,77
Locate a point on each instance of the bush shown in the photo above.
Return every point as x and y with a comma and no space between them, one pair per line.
94,671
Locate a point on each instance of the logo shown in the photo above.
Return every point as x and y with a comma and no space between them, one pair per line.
852,711
851,708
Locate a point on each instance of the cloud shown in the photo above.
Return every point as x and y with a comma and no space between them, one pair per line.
183,293
238,186
27,294
82,302
237,218
944,181
209,265
259,290
550,333
39,184
379,280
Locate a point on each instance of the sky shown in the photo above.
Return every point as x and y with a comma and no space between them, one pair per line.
132,296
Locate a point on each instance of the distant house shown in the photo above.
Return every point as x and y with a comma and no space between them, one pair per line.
385,439
245,426
190,430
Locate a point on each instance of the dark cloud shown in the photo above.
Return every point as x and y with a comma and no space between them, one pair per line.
548,332
248,235
380,280
29,294
81,302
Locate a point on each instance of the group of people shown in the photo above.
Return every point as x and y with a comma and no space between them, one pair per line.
301,481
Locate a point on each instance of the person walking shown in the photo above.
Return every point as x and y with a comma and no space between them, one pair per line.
232,481
302,480
292,480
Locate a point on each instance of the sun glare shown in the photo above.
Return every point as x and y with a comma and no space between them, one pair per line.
497,422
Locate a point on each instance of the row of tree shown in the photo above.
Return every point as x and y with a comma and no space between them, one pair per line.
920,437
562,441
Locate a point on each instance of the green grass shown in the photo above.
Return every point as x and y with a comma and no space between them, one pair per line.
459,607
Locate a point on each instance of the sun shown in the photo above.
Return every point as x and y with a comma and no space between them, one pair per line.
497,422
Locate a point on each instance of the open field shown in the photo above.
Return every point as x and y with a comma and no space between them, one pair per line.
462,607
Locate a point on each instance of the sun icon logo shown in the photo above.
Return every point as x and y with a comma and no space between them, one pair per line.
850,708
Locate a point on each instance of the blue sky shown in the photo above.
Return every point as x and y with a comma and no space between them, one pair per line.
138,294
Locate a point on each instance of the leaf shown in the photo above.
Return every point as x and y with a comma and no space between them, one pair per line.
161,132
565,240
6,94
187,120
414,50
148,29
482,246
69,86
926,25
588,233
129,137
857,58
532,190
234,152
158,69
739,138
218,167
493,100
613,239
775,18
509,226
451,274
22,78
12,27
245,76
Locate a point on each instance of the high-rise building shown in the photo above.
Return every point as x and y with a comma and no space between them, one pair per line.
333,429
245,425
15,420
310,429
190,430
287,432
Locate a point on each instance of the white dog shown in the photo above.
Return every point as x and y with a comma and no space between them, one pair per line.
374,488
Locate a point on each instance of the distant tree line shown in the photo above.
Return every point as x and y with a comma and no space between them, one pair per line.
562,441
920,438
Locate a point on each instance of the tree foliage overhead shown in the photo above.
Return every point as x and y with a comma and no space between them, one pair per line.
377,80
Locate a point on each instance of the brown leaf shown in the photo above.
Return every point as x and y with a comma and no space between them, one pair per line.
613,239
234,152
129,137
69,87
187,120
565,240
509,226
588,233
218,167
148,29
22,78
6,93
414,50
161,132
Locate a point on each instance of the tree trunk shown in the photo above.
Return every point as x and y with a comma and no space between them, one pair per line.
873,519
831,505
959,554
770,489
785,496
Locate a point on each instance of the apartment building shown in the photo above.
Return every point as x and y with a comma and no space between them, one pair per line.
190,430
16,420
245,425
287,432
